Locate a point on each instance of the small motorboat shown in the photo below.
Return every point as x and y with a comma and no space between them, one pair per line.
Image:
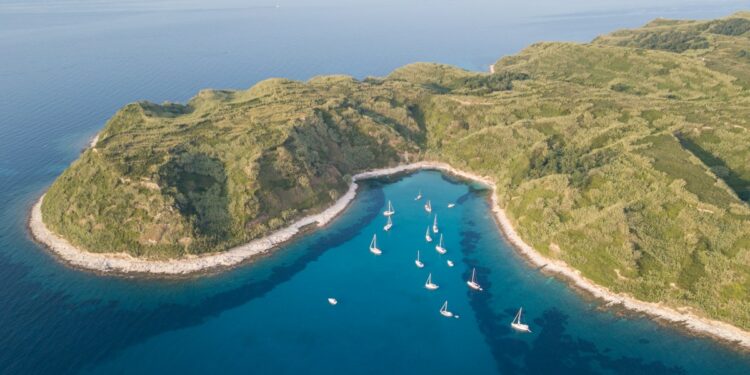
429,285
449,263
332,301
472,283
517,325
451,205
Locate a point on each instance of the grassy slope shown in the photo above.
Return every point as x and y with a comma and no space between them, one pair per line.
626,157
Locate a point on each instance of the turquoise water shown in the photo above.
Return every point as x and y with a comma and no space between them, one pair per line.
67,66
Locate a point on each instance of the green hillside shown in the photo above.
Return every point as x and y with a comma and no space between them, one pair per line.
626,157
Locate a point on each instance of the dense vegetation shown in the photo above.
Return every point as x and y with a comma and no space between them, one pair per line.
626,157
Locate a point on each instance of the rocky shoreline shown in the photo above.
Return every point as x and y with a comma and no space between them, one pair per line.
125,264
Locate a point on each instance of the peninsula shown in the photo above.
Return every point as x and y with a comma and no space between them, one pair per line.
621,163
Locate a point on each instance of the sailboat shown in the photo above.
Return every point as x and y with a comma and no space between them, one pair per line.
418,262
374,246
451,205
428,207
517,325
439,248
388,225
390,211
419,196
332,301
444,311
427,235
429,284
434,225
473,284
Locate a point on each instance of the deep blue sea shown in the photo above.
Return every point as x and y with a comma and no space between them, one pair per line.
67,66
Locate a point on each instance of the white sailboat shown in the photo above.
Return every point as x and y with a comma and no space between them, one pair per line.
449,263
444,311
419,196
418,262
429,284
472,283
390,211
428,207
439,248
427,235
517,325
451,205
388,225
374,246
434,225
332,301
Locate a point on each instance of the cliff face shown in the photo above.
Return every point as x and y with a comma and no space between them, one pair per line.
626,157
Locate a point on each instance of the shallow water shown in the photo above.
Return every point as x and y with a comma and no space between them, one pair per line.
67,66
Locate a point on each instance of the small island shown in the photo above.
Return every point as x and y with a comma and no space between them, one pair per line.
621,164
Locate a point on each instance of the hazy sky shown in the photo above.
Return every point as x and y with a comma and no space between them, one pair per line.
512,6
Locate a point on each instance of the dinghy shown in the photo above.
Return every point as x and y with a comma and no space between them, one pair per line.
332,301
428,207
374,246
449,263
439,248
388,225
427,235
419,196
444,311
390,211
517,325
418,262
434,225
429,284
472,283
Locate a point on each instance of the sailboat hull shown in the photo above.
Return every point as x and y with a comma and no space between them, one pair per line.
440,249
375,251
520,327
473,285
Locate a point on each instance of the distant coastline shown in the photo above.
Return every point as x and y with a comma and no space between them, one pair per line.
126,264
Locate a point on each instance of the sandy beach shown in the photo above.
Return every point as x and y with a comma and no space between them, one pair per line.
125,264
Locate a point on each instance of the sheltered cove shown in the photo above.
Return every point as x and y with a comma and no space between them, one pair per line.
126,264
